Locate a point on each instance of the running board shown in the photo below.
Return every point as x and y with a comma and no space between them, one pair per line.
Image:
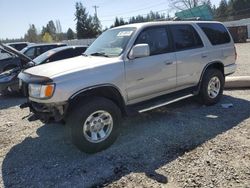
165,103
161,101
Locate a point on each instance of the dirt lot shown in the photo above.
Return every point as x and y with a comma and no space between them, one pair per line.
243,60
182,145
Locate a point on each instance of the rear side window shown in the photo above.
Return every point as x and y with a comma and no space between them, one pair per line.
185,37
156,38
18,46
216,33
62,55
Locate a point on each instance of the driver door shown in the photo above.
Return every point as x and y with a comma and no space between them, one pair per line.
155,74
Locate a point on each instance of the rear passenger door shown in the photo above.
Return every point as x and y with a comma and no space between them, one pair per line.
149,76
190,53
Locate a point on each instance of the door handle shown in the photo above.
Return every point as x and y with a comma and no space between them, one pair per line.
169,62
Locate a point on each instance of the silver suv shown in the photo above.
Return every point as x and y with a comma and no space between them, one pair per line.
127,70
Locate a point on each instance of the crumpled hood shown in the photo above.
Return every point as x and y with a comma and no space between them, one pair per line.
79,63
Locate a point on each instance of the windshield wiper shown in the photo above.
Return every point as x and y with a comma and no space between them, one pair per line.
99,54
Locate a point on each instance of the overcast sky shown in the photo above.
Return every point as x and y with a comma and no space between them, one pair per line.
16,15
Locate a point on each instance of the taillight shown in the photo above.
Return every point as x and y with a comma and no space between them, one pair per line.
235,53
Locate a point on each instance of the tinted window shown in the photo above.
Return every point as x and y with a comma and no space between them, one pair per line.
39,51
30,53
61,55
185,37
18,46
216,33
46,48
156,38
79,50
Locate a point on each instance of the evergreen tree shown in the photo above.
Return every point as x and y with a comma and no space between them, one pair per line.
222,10
83,22
51,28
97,28
31,35
70,34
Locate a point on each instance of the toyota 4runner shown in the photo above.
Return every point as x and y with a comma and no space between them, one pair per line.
127,70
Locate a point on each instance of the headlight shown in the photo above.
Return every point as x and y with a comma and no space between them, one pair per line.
41,91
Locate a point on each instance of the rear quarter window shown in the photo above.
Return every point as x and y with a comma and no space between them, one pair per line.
216,33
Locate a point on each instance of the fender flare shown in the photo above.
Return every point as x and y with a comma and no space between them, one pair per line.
108,91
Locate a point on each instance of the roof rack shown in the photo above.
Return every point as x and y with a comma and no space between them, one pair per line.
187,19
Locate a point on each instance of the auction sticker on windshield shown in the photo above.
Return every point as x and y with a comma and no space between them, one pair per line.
124,33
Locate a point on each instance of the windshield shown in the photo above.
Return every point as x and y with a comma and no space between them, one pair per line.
43,57
111,43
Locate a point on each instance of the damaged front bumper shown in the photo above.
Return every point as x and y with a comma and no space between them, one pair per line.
47,112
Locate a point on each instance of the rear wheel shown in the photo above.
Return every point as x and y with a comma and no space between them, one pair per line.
211,87
94,124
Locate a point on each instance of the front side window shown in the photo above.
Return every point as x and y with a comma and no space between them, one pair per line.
185,37
30,53
216,33
111,43
156,38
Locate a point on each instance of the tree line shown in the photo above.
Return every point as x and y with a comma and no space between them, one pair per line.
89,26
232,10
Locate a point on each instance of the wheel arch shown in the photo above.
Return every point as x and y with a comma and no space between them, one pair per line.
214,64
108,91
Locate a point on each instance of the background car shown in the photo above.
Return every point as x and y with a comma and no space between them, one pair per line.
33,51
60,53
8,79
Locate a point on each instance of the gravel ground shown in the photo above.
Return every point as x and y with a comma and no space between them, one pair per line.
243,60
181,145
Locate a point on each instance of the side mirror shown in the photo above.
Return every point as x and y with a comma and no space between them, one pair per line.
139,50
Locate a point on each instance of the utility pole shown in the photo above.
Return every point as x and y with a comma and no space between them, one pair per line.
96,7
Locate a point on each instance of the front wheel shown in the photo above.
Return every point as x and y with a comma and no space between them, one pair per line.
211,87
94,124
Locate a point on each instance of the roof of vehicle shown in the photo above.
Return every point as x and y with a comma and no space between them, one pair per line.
46,44
17,43
67,47
158,23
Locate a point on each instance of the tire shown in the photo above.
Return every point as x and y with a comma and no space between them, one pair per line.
207,95
85,115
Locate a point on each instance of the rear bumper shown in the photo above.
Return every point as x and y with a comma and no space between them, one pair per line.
230,69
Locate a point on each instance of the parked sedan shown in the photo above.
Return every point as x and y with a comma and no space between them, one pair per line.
59,54
33,51
9,81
